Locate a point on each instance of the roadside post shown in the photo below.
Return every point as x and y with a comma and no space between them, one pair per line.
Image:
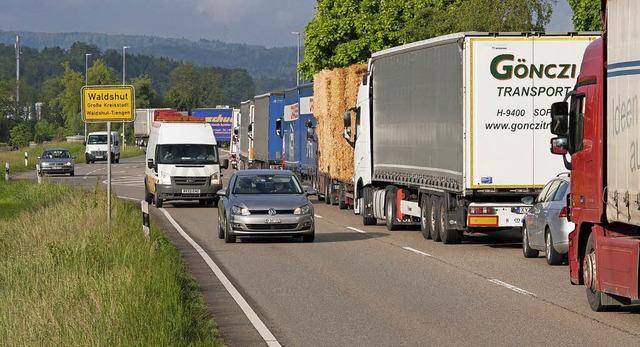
108,104
26,159
145,218
38,174
6,171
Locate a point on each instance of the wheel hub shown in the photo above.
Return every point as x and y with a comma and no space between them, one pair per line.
589,270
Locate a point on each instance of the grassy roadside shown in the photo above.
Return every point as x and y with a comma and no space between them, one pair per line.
16,158
66,280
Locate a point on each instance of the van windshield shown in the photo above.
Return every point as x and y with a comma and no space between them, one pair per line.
187,154
97,139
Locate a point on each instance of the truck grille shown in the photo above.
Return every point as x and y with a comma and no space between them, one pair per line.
190,181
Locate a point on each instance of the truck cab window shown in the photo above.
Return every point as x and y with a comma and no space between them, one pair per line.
576,123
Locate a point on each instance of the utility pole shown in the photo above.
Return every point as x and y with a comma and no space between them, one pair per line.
86,81
18,51
124,69
297,59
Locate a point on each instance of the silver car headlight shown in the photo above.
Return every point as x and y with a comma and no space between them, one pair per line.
67,163
306,209
240,211
45,164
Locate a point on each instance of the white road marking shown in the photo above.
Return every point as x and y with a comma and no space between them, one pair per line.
417,251
357,230
248,311
514,288
318,216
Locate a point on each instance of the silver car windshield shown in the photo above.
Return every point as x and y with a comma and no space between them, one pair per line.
58,154
266,184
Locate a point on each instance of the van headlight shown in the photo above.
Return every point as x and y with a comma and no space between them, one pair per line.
306,209
240,211
215,179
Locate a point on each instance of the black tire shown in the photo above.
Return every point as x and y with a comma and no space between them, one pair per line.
434,225
228,238
309,237
220,229
424,217
448,236
93,162
342,204
319,196
72,173
118,160
553,257
113,158
527,251
148,197
367,218
594,296
158,201
390,208
327,194
87,161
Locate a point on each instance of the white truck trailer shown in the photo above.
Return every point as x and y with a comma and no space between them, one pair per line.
448,131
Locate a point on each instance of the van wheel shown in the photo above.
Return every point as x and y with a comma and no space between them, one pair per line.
118,160
159,201
148,197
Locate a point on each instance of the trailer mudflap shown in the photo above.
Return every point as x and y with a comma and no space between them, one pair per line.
617,265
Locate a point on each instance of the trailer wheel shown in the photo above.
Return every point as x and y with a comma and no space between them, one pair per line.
365,200
424,218
390,208
342,204
448,236
434,226
327,194
589,273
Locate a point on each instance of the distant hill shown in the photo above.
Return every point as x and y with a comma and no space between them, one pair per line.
271,68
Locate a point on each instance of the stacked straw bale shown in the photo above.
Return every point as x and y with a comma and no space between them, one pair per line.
335,91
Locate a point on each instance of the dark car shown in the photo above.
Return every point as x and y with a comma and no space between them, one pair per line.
546,227
57,161
265,203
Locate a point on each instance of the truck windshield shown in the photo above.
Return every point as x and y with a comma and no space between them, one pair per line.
97,139
187,154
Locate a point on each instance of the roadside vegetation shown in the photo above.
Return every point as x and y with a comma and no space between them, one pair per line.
66,280
16,158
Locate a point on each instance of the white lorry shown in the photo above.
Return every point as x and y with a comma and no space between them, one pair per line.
97,149
448,131
183,162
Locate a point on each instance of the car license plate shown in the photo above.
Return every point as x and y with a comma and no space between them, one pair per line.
272,220
191,191
98,157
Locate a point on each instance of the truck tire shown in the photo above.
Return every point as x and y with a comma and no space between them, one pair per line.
367,214
390,208
424,218
527,251
319,196
327,194
448,236
552,256
342,204
434,225
594,296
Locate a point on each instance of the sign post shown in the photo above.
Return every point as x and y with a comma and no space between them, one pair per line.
108,104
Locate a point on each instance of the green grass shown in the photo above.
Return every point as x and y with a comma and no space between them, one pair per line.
66,280
16,158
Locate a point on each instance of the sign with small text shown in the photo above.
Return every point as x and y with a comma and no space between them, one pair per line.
108,104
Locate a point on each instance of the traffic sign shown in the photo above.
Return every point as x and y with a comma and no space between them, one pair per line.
108,103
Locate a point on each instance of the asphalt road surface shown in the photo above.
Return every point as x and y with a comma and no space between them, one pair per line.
366,286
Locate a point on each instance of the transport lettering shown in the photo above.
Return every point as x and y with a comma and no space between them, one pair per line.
503,68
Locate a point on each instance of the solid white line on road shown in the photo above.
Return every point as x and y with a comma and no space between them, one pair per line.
248,311
417,251
357,230
514,288
318,216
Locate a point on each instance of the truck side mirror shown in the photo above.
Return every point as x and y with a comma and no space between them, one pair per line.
560,118
279,127
235,131
150,164
347,124
559,145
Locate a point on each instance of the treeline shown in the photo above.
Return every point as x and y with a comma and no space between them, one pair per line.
48,103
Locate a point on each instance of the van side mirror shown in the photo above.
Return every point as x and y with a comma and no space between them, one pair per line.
560,118
279,127
224,164
150,164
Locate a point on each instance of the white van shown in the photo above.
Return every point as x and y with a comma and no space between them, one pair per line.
96,147
183,163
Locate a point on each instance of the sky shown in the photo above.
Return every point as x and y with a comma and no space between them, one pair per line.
268,23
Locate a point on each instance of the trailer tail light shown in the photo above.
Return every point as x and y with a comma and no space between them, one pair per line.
563,212
482,210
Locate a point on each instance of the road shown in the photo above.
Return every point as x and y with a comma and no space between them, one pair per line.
366,286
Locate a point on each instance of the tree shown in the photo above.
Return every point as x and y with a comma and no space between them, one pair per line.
99,74
192,87
586,15
21,134
143,90
69,100
344,32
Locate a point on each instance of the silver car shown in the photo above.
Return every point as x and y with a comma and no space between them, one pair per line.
545,226
265,203
57,161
